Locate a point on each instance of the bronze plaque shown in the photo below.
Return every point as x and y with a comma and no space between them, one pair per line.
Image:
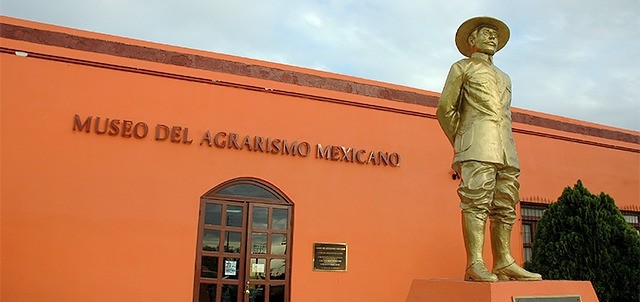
548,299
330,257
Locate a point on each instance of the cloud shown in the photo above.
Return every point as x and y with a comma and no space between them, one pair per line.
581,63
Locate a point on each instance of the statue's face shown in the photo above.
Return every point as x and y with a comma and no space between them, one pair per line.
484,40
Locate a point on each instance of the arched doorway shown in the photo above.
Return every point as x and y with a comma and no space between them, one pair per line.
244,243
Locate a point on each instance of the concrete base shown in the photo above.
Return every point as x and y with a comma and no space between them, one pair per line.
452,290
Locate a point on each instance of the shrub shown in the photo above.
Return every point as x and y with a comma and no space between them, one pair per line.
584,236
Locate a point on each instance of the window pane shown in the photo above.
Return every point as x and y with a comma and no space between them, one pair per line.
527,254
207,293
279,219
234,216
211,240
258,268
278,244
260,218
276,293
209,267
231,268
232,242
229,293
631,218
526,233
277,269
248,190
532,213
213,212
256,293
259,243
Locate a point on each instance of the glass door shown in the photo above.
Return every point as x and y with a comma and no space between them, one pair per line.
267,267
222,255
243,246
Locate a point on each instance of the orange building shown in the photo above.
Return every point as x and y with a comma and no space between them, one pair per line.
134,171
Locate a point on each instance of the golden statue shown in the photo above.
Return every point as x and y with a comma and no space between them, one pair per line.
474,112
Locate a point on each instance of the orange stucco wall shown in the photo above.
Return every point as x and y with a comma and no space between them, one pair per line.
88,217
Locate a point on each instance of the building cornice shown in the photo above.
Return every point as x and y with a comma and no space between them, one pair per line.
283,75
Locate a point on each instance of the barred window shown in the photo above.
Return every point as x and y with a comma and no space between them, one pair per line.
531,215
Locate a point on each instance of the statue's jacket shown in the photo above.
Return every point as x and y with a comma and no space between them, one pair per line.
474,112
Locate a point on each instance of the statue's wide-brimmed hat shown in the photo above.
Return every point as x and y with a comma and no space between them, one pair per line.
468,26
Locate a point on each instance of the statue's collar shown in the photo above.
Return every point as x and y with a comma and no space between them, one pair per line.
483,56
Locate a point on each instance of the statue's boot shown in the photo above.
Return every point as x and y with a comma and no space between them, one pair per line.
503,264
473,230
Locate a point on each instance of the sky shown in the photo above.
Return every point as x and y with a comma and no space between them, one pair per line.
574,58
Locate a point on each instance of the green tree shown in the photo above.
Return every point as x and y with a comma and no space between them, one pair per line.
585,237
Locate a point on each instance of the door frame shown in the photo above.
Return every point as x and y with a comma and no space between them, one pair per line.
217,195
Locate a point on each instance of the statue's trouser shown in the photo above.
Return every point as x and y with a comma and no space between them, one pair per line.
490,190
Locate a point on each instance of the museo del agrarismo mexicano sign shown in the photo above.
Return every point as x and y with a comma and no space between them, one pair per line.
233,141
